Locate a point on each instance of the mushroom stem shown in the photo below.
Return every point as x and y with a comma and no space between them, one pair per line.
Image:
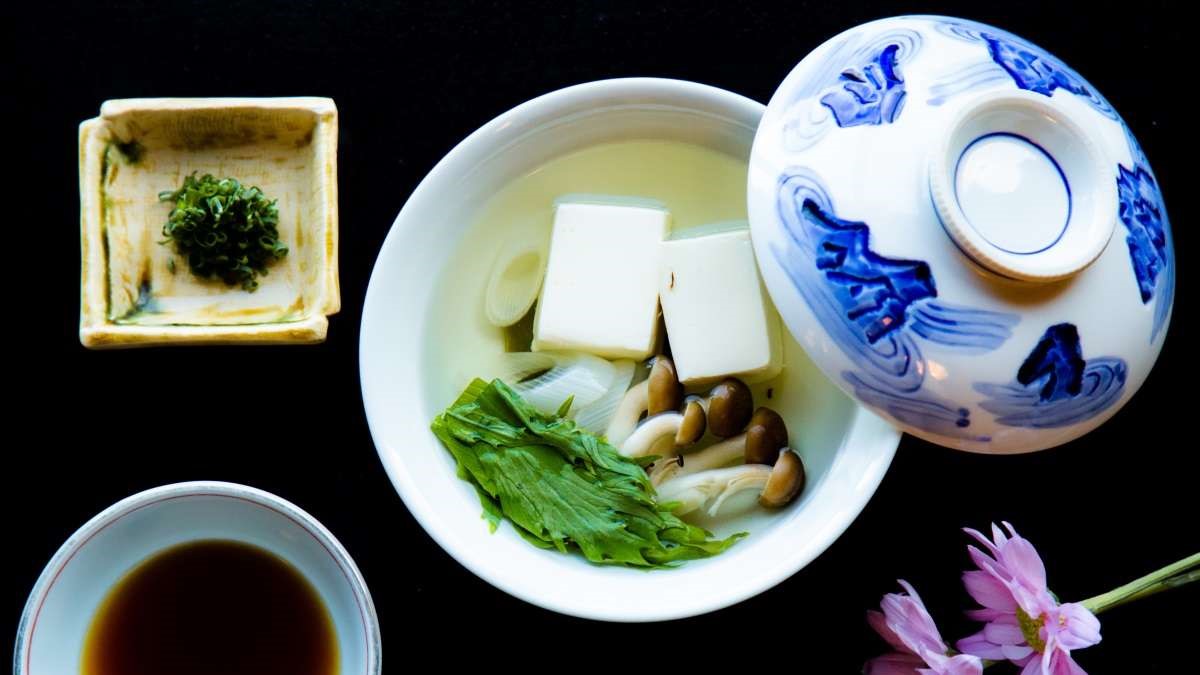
777,485
628,413
714,456
715,485
665,469
660,392
682,429
650,433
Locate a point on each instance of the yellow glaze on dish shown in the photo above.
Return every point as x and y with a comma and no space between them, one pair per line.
138,148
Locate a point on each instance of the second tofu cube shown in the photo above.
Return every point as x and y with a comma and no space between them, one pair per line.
718,319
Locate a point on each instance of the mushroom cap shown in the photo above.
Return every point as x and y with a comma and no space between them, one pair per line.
691,428
765,437
664,392
785,482
729,407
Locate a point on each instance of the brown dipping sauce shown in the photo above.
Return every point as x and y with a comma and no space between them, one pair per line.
212,607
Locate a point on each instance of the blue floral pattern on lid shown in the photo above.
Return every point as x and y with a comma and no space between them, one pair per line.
1032,70
878,308
1141,212
872,94
1030,67
1055,386
1148,237
858,83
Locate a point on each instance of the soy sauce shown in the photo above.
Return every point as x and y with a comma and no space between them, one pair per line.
212,607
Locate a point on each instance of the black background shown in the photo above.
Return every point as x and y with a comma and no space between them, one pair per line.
88,428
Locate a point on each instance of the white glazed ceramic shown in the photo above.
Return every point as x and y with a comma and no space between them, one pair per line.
66,596
846,448
962,232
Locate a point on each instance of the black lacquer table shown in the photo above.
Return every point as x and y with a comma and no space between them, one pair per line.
411,79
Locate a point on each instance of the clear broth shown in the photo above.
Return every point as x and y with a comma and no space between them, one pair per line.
699,186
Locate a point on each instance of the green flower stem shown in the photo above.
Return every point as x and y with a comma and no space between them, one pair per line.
1172,576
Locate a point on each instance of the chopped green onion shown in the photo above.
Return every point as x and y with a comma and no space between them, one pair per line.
224,230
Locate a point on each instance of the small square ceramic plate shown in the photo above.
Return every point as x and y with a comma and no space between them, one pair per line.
138,292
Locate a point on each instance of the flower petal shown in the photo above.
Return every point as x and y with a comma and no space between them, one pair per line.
893,664
1033,603
1021,560
1061,663
1003,633
1076,626
963,664
1016,653
981,539
998,534
960,664
985,615
978,645
989,591
879,622
910,621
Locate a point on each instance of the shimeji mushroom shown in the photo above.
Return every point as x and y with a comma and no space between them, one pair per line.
778,485
652,436
760,443
658,393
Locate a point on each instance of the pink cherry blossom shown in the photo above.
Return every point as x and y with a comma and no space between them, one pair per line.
906,625
1024,624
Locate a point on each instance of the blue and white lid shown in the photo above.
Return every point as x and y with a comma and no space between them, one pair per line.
962,233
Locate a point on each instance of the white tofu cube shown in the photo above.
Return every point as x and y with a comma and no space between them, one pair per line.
718,320
600,293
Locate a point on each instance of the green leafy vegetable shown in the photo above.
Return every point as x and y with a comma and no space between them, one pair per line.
561,486
225,230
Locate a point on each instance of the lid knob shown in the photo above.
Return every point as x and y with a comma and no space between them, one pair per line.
1022,189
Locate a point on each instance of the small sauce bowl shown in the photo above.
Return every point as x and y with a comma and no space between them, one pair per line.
93,560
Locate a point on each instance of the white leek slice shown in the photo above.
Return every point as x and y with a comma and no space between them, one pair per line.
583,376
514,284
518,366
596,416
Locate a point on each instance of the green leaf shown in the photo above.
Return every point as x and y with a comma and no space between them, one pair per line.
561,486
566,406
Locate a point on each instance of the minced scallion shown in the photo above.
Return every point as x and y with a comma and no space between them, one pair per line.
224,229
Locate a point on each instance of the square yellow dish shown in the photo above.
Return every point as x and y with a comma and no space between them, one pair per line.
136,291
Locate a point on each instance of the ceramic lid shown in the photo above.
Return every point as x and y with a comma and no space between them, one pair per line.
962,233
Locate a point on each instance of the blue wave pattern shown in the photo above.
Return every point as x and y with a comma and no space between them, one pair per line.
1141,211
923,412
876,308
966,79
1030,67
1151,250
1055,386
872,94
856,83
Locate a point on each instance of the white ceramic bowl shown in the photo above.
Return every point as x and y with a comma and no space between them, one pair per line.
65,598
846,449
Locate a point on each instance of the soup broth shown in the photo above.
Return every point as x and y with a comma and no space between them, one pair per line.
212,607
699,186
